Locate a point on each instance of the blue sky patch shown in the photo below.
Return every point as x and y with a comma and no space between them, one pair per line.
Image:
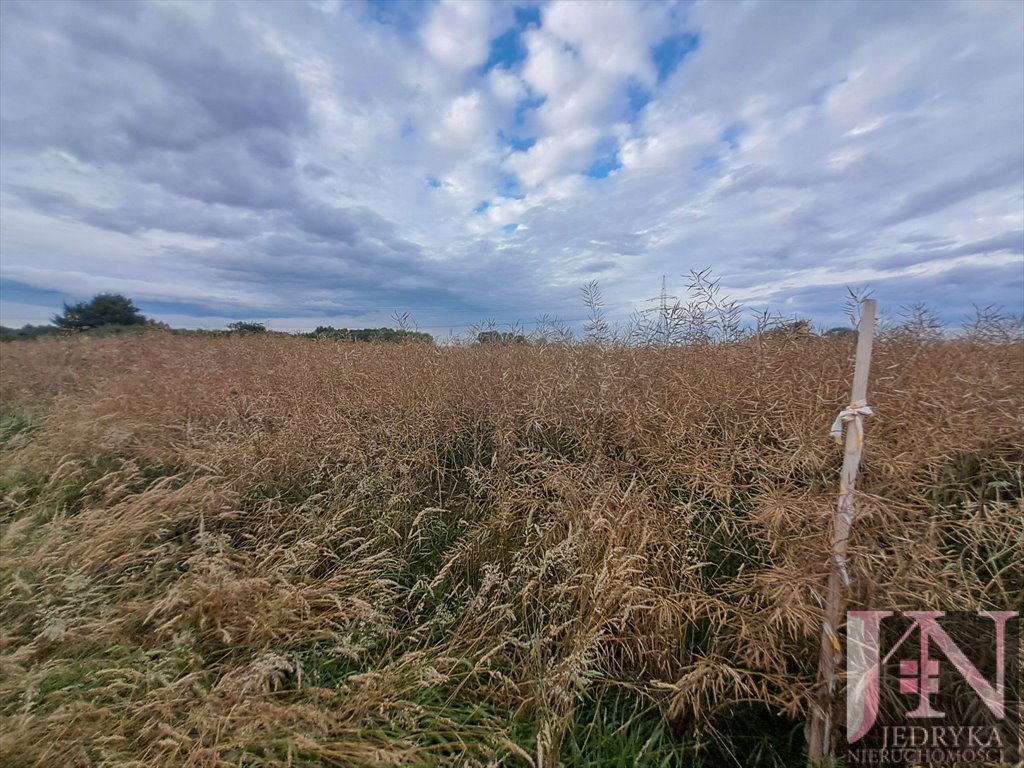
507,50
638,96
733,134
607,161
670,52
708,163
527,104
525,16
509,229
22,293
516,143
404,14
197,309
433,183
603,167
508,186
484,205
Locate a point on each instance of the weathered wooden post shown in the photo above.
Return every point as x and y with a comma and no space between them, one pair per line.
820,737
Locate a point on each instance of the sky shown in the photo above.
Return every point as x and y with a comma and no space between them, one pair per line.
333,163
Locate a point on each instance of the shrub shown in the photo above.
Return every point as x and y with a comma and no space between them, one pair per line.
387,335
104,309
27,332
242,327
502,338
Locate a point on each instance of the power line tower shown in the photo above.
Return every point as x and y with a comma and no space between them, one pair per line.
666,321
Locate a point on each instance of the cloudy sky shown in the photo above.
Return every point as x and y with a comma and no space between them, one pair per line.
332,163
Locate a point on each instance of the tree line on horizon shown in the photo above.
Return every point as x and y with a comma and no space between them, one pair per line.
110,314
708,319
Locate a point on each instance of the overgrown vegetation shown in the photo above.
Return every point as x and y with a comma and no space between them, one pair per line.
526,531
266,550
27,332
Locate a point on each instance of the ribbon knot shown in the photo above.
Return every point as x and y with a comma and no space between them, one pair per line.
855,413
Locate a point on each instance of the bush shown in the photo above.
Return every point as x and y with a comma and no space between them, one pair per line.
389,335
500,337
27,332
247,327
104,309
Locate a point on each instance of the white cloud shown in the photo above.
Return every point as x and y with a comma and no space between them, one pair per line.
670,139
553,156
458,33
613,38
507,87
464,120
290,159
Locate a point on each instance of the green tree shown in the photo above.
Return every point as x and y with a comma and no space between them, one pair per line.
840,332
241,327
104,309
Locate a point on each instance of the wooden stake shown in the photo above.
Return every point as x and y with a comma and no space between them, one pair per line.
820,737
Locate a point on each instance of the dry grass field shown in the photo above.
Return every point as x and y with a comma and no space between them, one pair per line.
256,551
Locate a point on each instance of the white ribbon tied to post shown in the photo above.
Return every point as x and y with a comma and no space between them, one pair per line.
855,413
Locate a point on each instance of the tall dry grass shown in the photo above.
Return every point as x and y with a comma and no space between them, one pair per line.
268,551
